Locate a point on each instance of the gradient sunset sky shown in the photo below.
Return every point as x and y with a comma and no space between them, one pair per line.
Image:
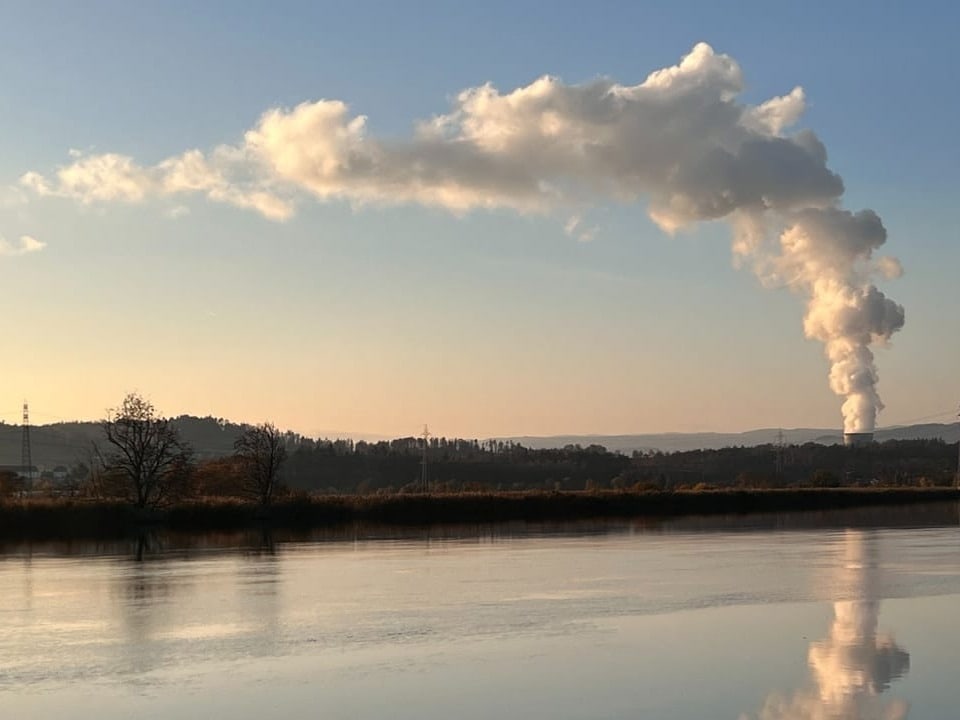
374,310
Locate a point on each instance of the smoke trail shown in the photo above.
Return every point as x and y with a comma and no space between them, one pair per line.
681,139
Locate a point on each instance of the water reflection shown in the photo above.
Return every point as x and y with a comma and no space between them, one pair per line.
172,544
853,666
145,594
258,583
178,606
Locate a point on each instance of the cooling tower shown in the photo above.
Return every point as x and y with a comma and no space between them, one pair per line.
857,439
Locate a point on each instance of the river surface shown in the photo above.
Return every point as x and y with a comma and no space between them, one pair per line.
673,622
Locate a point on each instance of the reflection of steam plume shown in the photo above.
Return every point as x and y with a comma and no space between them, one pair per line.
854,659
854,664
682,138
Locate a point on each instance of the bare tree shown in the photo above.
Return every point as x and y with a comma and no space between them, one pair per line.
144,453
261,451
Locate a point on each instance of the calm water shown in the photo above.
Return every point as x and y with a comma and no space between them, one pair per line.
618,622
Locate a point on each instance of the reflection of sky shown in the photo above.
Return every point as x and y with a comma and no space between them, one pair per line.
855,663
540,627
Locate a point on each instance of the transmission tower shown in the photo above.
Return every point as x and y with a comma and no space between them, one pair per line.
26,460
424,483
779,458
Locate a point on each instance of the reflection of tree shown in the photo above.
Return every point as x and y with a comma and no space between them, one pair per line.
854,664
259,582
259,578
144,596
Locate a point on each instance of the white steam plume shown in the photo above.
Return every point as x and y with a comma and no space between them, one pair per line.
682,139
825,254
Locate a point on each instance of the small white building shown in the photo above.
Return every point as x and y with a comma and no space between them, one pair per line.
30,473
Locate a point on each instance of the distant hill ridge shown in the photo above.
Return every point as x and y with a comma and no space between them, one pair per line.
679,442
69,443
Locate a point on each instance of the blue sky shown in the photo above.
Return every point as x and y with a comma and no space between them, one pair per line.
380,317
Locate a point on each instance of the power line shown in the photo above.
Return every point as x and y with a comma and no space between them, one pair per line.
911,421
26,459
779,458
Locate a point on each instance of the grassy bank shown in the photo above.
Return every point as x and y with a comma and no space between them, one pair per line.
28,519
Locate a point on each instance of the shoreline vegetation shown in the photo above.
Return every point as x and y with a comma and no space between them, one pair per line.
43,519
144,476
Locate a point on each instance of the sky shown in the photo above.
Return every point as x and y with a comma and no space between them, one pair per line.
365,217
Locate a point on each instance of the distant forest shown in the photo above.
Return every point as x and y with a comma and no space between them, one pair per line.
465,465
456,465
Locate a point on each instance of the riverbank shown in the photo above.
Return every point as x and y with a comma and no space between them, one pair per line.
63,518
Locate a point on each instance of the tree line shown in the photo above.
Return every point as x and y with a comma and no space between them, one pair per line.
462,465
142,459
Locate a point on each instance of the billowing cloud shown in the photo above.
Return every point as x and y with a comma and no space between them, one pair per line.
680,137
681,140
24,246
110,177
